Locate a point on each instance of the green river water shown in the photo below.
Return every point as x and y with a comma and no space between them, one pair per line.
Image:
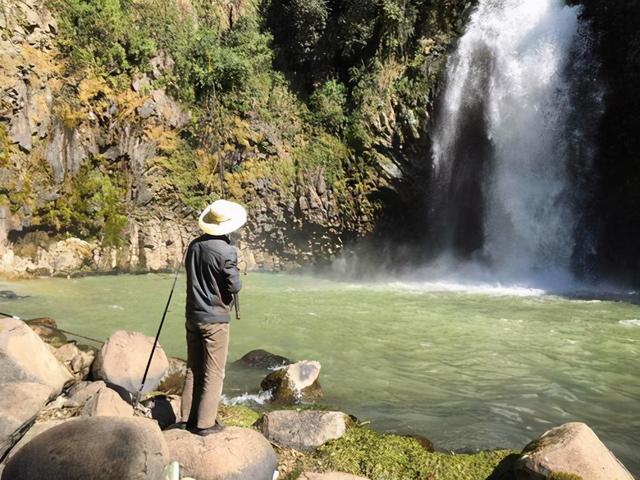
469,369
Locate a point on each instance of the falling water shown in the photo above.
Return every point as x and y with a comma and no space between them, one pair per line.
511,146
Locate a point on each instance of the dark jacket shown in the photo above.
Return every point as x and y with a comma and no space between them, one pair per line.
212,278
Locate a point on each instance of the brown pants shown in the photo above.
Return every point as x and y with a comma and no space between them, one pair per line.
207,347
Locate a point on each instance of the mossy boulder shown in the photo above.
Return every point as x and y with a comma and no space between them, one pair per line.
569,452
295,383
47,330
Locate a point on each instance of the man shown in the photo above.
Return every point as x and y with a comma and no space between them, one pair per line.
212,280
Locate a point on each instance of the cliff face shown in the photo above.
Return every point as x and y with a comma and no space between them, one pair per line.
108,152
615,210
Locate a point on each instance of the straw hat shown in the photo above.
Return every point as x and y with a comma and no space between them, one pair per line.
222,217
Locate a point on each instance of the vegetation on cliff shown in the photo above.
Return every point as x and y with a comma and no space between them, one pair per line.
309,109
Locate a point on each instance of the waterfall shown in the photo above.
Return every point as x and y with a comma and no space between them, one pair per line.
511,147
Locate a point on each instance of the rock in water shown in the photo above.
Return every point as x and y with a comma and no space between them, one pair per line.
294,383
93,448
572,448
24,357
304,430
123,358
232,454
19,404
263,359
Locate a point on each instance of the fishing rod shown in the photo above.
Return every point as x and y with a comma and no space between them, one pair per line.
56,329
164,315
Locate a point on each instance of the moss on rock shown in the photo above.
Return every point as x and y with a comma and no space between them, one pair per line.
385,457
564,476
238,415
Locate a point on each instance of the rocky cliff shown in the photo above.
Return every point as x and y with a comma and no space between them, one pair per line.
615,209
109,147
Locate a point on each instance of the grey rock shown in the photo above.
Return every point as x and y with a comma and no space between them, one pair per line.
303,430
263,359
19,404
77,361
147,109
107,403
92,448
35,430
8,295
123,358
24,357
232,454
82,392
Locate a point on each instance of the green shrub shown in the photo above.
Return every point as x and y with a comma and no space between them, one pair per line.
328,104
92,204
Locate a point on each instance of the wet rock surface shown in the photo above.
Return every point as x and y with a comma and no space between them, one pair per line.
263,359
294,383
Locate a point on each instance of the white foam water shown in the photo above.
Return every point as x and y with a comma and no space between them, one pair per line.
634,322
248,399
513,65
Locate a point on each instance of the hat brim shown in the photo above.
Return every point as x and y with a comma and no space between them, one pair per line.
237,218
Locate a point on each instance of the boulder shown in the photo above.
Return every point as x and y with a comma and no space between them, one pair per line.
232,454
329,476
264,359
173,381
19,405
94,447
572,448
47,330
123,358
82,392
36,429
303,430
8,295
24,357
77,361
164,409
107,403
294,383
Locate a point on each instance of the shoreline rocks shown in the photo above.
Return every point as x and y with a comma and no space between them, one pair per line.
570,449
24,357
95,447
233,453
123,358
90,429
303,430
